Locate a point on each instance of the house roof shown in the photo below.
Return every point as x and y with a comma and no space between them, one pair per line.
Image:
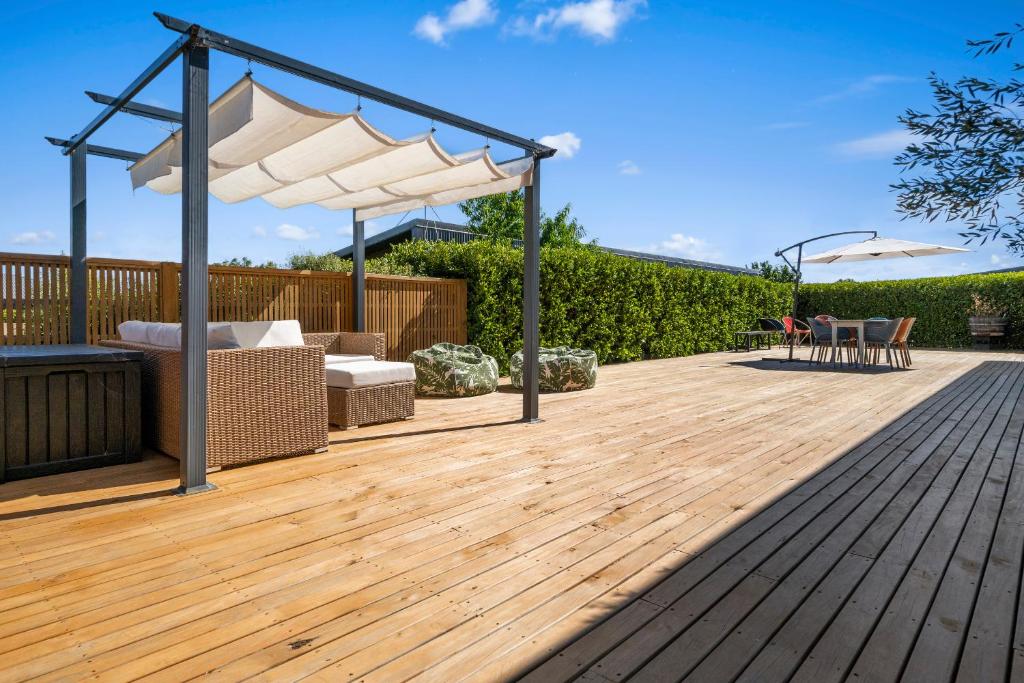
439,231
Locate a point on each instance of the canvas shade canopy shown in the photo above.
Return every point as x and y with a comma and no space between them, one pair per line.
262,144
881,248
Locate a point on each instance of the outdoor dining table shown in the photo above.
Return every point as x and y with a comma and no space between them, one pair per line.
852,325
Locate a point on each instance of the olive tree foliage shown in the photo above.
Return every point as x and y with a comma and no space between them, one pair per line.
776,272
499,217
966,162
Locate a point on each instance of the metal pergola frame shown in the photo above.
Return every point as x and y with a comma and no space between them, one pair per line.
193,46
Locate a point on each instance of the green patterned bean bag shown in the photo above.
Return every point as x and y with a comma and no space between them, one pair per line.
452,370
561,369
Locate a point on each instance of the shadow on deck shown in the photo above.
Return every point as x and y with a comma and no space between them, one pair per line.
901,559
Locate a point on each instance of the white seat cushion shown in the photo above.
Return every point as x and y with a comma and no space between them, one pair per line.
336,358
133,331
261,333
168,335
369,374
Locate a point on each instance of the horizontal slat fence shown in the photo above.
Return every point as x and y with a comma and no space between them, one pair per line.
411,312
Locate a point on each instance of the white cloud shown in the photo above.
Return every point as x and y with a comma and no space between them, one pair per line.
259,231
287,231
33,237
369,228
864,86
597,19
566,143
462,15
628,167
880,145
683,246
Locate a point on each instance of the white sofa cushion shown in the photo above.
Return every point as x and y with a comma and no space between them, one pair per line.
369,374
260,334
133,331
164,334
335,358
168,335
220,336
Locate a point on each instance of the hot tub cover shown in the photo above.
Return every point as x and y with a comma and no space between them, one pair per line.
263,144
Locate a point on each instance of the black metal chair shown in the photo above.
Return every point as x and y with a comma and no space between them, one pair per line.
774,327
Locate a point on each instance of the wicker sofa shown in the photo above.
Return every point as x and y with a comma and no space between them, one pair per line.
262,402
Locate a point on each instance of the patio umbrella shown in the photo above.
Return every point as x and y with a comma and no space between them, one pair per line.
881,248
870,249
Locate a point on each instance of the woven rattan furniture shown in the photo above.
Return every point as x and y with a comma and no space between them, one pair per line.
371,405
353,407
263,402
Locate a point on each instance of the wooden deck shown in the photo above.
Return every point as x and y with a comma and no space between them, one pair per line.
711,518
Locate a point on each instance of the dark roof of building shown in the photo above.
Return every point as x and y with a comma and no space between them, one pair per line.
1015,269
438,231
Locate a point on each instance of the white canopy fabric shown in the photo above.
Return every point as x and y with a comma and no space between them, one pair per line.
263,144
880,248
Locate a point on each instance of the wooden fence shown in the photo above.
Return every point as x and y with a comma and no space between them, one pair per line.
412,312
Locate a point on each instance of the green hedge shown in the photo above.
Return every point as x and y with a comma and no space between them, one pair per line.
621,308
940,304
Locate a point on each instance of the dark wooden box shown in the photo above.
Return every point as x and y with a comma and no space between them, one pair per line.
67,407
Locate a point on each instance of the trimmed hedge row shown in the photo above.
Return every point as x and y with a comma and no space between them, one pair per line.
621,308
940,304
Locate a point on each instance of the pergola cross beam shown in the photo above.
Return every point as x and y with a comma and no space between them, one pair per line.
147,111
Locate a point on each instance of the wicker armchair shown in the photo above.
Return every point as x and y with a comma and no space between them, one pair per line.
262,403
365,343
364,405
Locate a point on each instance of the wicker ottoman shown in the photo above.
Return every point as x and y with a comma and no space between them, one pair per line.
370,392
454,371
560,369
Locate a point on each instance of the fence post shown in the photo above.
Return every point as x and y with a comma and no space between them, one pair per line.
167,286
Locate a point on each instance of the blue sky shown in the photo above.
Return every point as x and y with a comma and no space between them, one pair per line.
707,130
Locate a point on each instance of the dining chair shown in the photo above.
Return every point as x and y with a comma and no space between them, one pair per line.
901,340
798,328
879,334
774,327
821,341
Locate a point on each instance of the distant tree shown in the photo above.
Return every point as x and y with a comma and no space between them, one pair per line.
970,154
328,261
500,217
246,262
331,262
776,272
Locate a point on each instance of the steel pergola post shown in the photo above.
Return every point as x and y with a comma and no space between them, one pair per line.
358,275
79,276
531,297
194,268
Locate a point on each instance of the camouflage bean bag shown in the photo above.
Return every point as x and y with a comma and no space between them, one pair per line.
561,369
452,370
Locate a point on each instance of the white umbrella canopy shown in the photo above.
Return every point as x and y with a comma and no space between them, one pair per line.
881,248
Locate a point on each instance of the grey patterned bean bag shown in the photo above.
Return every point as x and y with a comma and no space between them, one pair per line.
561,369
452,370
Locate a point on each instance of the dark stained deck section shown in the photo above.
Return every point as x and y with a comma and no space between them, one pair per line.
901,560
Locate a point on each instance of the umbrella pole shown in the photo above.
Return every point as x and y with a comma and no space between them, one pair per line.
796,298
